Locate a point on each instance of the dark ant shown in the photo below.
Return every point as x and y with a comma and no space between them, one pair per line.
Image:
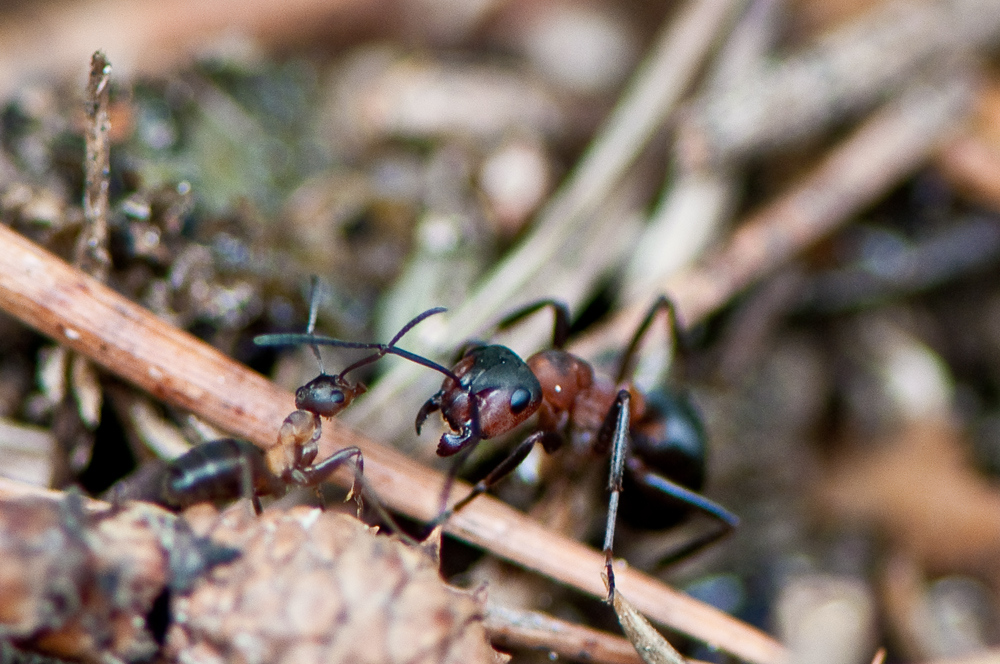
228,468
493,390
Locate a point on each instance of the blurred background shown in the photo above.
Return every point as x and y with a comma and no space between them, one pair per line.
816,184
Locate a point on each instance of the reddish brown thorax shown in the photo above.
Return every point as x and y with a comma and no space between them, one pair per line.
575,400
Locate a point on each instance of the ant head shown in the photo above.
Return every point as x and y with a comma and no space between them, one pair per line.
327,395
504,388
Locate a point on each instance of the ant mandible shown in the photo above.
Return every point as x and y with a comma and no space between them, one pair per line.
228,468
493,390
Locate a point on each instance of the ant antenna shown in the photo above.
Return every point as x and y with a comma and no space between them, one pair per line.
381,350
313,312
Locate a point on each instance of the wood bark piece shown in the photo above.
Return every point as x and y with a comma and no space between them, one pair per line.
79,584
312,586
81,313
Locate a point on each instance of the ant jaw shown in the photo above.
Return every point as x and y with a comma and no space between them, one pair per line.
453,443
431,405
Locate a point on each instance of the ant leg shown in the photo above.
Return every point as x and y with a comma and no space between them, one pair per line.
725,520
678,340
549,440
560,331
449,481
618,448
246,484
316,474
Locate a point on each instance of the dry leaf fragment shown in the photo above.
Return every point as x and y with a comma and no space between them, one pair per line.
649,643
315,586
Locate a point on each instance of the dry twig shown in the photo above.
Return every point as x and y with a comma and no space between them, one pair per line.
79,312
91,253
531,629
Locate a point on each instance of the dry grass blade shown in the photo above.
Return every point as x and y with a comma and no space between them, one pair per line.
658,86
886,148
81,313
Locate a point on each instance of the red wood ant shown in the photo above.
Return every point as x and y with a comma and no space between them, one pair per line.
228,468
290,461
493,390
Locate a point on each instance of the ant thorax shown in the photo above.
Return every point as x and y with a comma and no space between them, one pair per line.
296,446
563,377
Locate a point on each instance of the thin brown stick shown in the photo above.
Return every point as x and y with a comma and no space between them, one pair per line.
91,253
513,628
888,146
83,314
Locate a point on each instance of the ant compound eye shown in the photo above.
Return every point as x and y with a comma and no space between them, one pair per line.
519,400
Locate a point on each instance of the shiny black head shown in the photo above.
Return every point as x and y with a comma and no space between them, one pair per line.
326,395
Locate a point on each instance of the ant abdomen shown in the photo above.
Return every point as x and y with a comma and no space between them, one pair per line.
670,438
217,471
